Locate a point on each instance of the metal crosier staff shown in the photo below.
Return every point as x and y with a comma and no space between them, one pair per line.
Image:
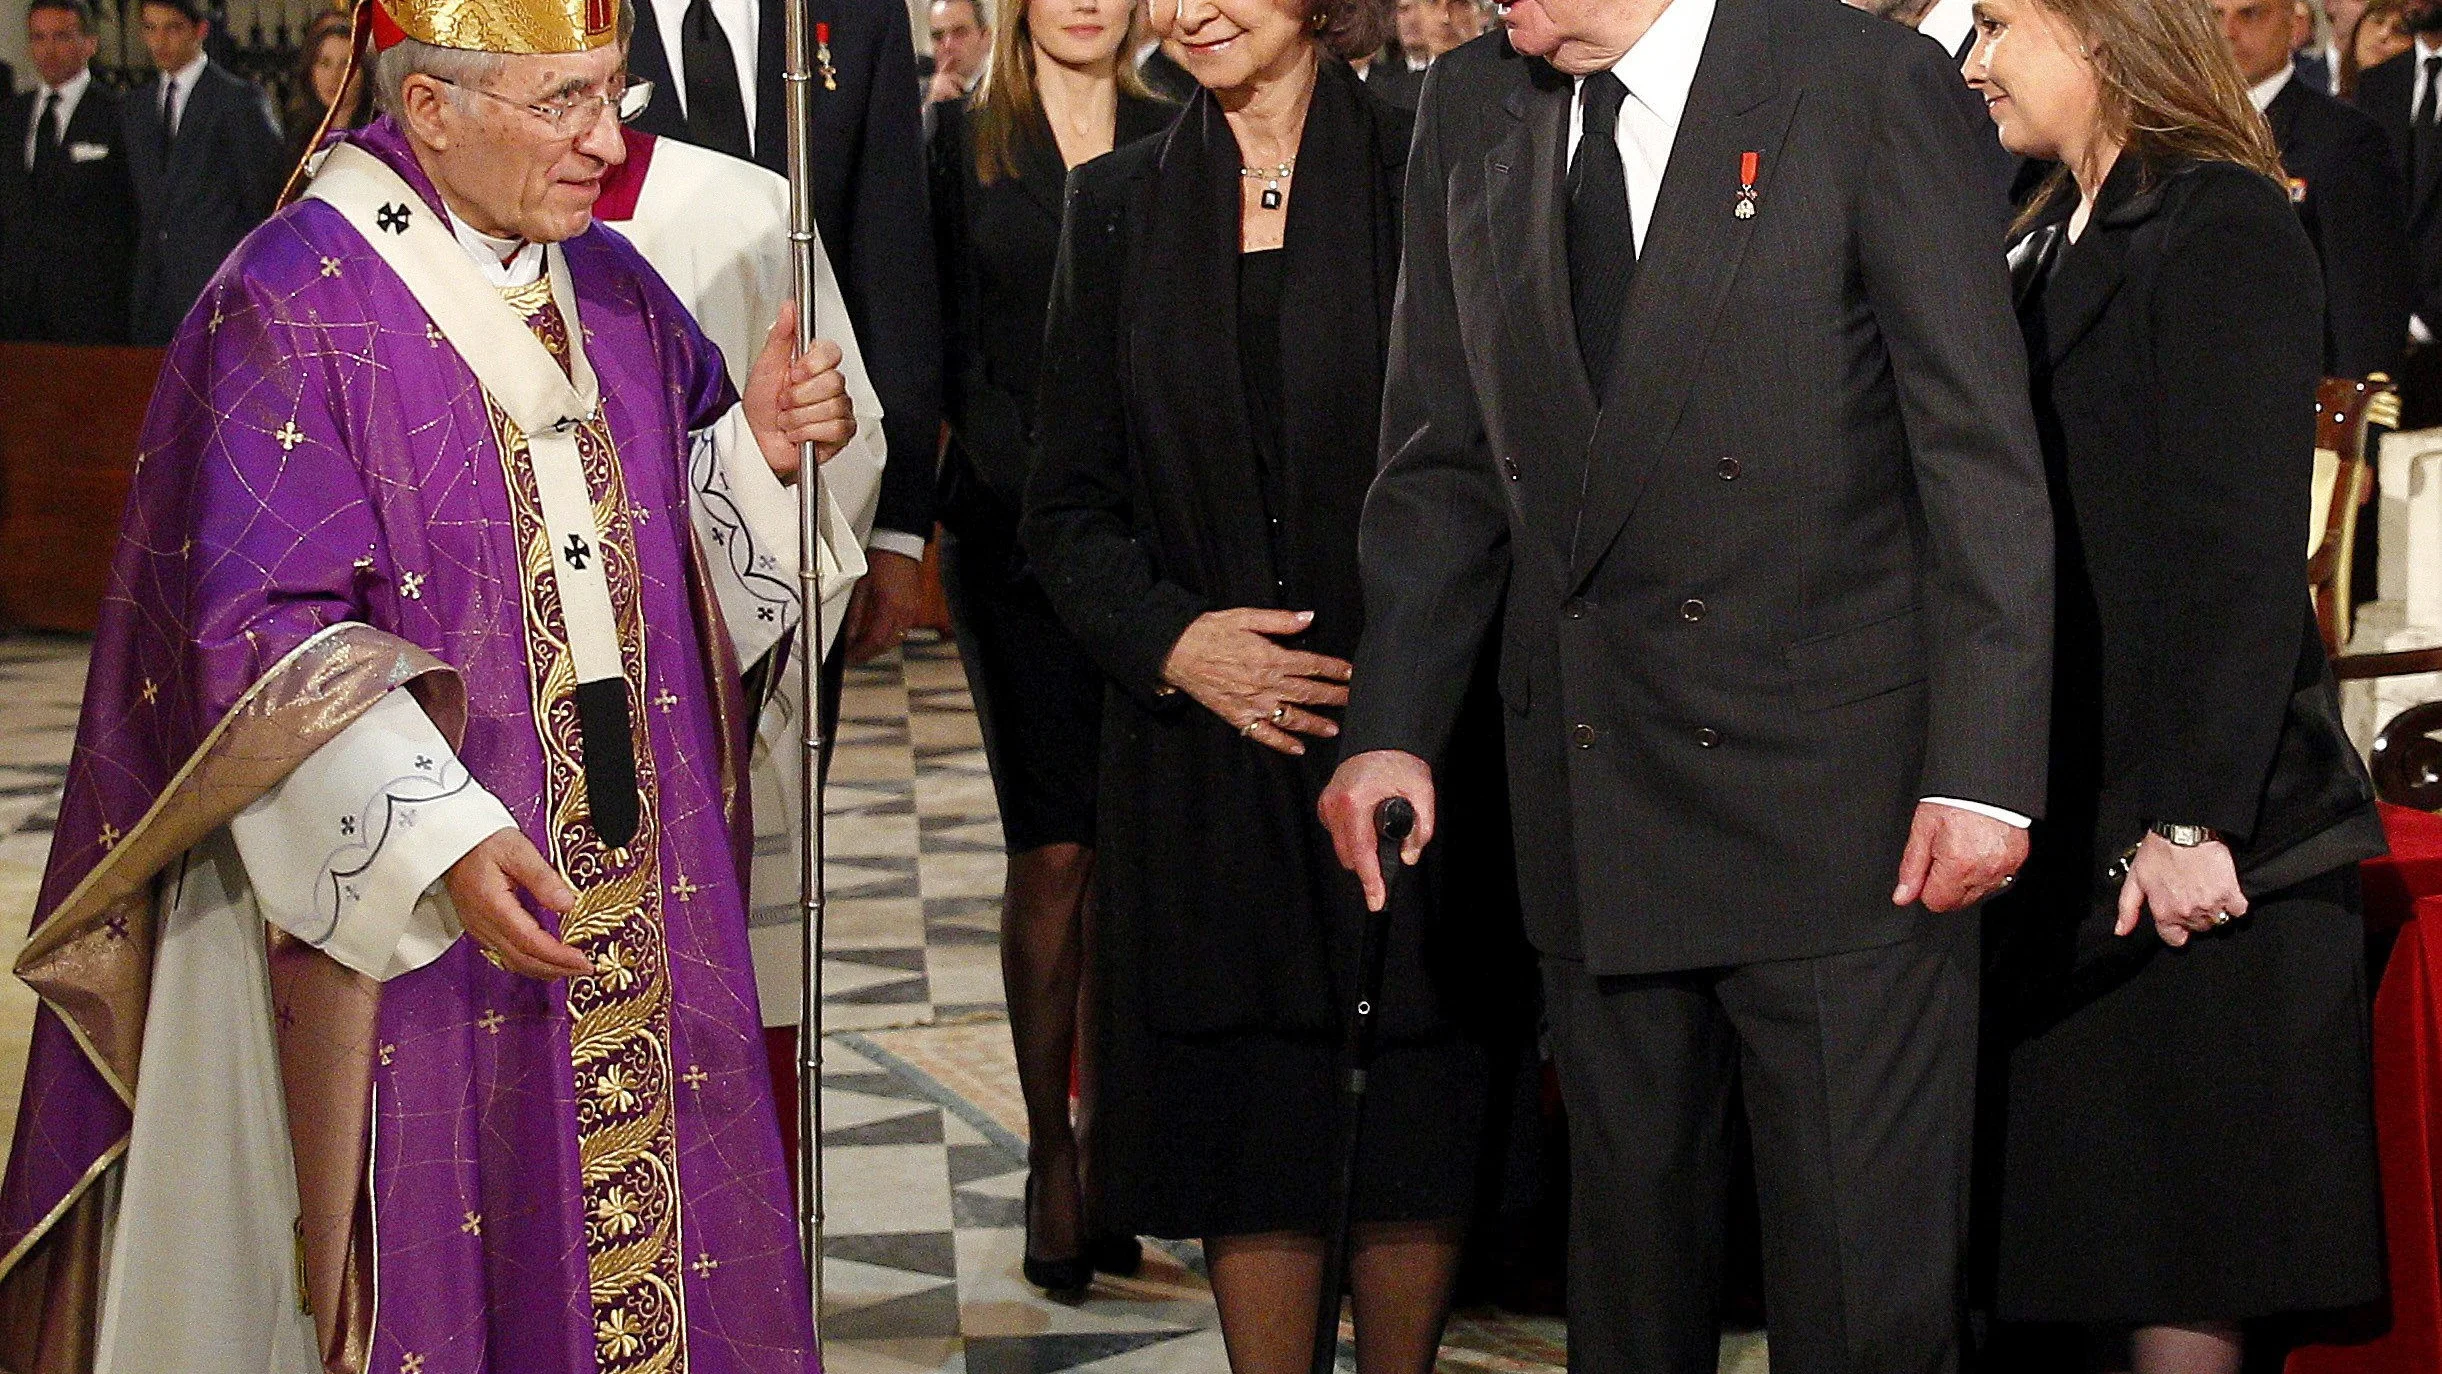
796,75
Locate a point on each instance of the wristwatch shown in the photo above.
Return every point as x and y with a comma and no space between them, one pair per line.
2186,836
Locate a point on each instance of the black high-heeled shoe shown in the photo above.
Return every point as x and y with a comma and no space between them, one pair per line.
1118,1256
1062,1280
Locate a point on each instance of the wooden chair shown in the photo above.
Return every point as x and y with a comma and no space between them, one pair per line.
2347,411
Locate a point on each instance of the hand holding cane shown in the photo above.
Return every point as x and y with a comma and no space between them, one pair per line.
1393,819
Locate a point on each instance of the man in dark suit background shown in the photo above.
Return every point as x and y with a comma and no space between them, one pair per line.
1742,464
2400,94
204,155
67,210
1397,73
2347,194
715,68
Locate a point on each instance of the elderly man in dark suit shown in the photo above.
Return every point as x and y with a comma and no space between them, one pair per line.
67,212
204,155
1740,460
715,69
2345,190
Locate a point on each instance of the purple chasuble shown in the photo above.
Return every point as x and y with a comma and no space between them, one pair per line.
575,1176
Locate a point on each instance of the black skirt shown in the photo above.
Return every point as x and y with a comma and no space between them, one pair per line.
2195,1142
1038,698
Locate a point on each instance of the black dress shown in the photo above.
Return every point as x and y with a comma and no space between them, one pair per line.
2186,1134
1208,441
1037,696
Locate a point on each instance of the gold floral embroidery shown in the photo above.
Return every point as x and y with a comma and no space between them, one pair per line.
619,1037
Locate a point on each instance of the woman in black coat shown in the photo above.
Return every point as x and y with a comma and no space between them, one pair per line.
1209,403
2179,1001
1059,91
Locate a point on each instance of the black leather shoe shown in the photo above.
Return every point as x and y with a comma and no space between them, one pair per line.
1120,1256
1062,1280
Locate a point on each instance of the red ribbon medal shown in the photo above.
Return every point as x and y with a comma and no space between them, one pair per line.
1748,165
822,57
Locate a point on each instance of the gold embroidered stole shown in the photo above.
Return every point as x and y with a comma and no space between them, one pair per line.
620,1033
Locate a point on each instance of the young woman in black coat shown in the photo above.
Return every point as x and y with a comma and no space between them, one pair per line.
2180,996
1209,404
1059,91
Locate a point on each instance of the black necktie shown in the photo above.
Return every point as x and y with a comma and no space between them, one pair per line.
1602,238
46,137
716,113
169,112
2427,139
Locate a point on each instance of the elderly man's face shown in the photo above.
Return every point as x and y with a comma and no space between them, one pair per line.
2259,34
508,170
1558,30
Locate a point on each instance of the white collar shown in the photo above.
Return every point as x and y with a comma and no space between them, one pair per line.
185,77
69,91
2263,92
2426,48
523,267
1661,67
1413,64
1949,22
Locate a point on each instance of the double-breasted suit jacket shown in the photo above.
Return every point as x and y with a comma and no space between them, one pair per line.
1790,571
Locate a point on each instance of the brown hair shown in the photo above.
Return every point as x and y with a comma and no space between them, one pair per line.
1006,100
1350,29
2349,70
2171,91
306,105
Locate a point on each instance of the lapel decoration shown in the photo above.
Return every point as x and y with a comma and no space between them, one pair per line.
1749,163
822,56
2297,190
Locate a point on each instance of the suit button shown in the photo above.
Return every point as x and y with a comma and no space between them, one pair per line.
1707,737
1509,465
1728,468
1691,610
1575,609
1583,735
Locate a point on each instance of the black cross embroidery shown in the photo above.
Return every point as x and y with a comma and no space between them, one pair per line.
577,552
424,762
394,218
763,613
347,825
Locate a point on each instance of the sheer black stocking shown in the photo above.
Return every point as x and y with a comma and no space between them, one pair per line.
1265,1288
1043,958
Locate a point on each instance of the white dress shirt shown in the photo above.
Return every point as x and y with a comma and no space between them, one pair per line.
1658,72
1949,23
69,92
2264,92
182,86
740,22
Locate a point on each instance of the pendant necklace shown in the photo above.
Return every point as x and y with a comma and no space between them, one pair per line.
1271,177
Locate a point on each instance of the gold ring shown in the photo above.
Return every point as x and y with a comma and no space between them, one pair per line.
494,957
2221,918
1248,729
1280,713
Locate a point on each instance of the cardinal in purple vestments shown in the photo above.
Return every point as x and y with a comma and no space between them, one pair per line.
345,657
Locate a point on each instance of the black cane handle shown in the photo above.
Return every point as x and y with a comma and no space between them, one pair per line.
1394,820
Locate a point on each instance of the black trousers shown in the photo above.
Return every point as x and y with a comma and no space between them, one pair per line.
1858,1073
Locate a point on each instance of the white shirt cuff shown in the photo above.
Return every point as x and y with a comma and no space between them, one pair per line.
1995,812
346,852
897,541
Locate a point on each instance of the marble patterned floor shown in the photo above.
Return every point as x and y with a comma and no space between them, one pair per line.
923,1136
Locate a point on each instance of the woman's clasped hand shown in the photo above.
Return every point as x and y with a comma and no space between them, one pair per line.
1233,665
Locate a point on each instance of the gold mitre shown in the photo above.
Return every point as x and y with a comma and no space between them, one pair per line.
517,27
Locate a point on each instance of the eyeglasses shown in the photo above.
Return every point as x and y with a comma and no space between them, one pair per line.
573,117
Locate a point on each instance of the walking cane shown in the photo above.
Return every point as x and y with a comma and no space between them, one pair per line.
1393,819
796,75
